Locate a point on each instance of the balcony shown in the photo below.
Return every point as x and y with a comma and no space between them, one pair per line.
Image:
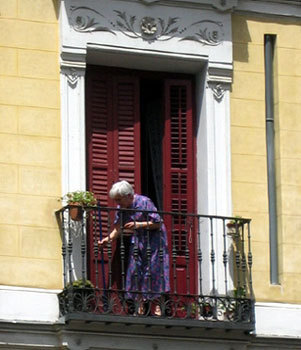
210,271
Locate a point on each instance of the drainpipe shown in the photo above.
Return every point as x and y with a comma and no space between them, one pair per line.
269,103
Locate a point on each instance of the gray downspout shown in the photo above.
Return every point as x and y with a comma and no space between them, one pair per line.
269,103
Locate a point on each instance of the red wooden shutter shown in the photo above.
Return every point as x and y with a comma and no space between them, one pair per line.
127,130
179,178
113,132
100,156
113,139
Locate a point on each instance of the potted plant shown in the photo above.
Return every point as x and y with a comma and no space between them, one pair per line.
79,284
234,224
82,294
77,200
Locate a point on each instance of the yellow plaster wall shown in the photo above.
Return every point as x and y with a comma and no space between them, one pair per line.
30,174
249,171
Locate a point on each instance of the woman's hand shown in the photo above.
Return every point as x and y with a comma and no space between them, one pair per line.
103,242
110,237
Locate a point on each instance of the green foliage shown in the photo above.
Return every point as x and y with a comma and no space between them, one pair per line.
240,292
81,283
237,221
84,198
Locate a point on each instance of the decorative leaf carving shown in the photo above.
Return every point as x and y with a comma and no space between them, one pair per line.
132,20
209,35
206,32
83,20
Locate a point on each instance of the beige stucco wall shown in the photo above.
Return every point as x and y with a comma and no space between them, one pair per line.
249,171
30,181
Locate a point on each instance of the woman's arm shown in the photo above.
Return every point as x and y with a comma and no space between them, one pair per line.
111,236
150,225
129,228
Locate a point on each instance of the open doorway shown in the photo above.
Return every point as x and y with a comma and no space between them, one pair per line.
152,131
140,128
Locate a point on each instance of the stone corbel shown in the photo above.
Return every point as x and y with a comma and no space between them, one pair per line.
73,66
72,75
219,81
218,90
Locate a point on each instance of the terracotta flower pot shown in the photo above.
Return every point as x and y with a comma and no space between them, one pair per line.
76,211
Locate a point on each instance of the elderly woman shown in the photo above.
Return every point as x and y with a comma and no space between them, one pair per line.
148,262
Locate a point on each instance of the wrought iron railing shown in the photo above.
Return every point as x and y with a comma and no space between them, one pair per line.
210,268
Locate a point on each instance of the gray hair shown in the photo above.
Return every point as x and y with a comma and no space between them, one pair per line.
121,188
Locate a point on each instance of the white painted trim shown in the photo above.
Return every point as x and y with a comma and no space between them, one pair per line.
278,320
19,304
214,178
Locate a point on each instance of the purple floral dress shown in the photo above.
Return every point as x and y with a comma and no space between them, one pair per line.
149,276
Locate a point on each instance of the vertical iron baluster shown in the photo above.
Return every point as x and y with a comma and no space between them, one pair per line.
200,256
212,255
83,245
136,253
122,255
95,247
109,286
161,256
225,256
64,247
174,252
70,277
237,255
250,262
70,249
186,231
148,256
243,257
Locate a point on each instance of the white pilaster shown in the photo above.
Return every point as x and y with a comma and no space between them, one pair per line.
73,125
214,173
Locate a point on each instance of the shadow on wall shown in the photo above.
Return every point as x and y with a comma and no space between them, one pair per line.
241,38
56,6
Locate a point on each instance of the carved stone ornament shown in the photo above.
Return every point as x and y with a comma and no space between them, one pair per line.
206,32
148,26
85,19
72,77
218,91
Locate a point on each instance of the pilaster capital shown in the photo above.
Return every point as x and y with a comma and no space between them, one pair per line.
73,65
73,58
219,79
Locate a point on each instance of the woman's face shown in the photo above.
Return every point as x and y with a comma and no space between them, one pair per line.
124,201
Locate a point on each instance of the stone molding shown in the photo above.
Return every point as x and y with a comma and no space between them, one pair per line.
221,5
280,8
